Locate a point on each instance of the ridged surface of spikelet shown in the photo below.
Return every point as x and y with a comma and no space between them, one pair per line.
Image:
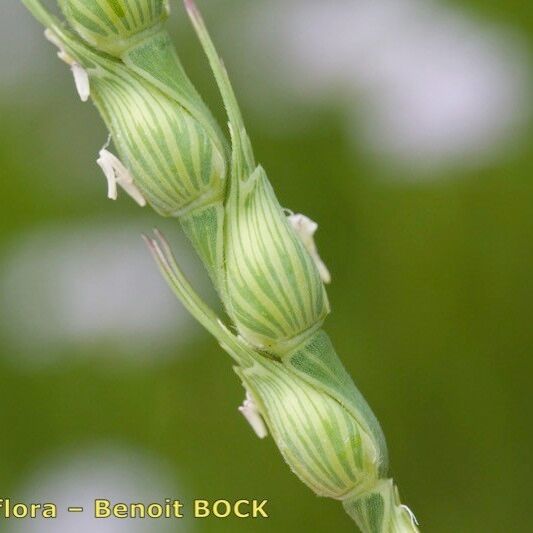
174,161
109,24
322,443
275,294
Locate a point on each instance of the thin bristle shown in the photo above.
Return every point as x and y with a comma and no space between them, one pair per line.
164,245
149,242
158,254
192,8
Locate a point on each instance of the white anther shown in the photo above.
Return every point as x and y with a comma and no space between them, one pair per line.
117,174
81,79
253,416
411,515
306,228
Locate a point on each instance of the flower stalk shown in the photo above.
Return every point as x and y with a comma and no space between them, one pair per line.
263,262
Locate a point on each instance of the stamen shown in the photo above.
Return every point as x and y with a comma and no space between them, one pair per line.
81,79
253,416
116,173
306,228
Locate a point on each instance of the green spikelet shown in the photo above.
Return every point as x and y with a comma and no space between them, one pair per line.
335,453
317,363
175,164
324,446
172,159
112,25
275,295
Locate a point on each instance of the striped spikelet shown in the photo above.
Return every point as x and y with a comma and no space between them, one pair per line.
173,160
324,445
111,25
275,295
175,164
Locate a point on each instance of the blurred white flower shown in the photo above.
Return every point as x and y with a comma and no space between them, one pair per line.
119,474
85,284
420,82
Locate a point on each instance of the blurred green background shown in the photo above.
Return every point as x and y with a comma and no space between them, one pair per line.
404,129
